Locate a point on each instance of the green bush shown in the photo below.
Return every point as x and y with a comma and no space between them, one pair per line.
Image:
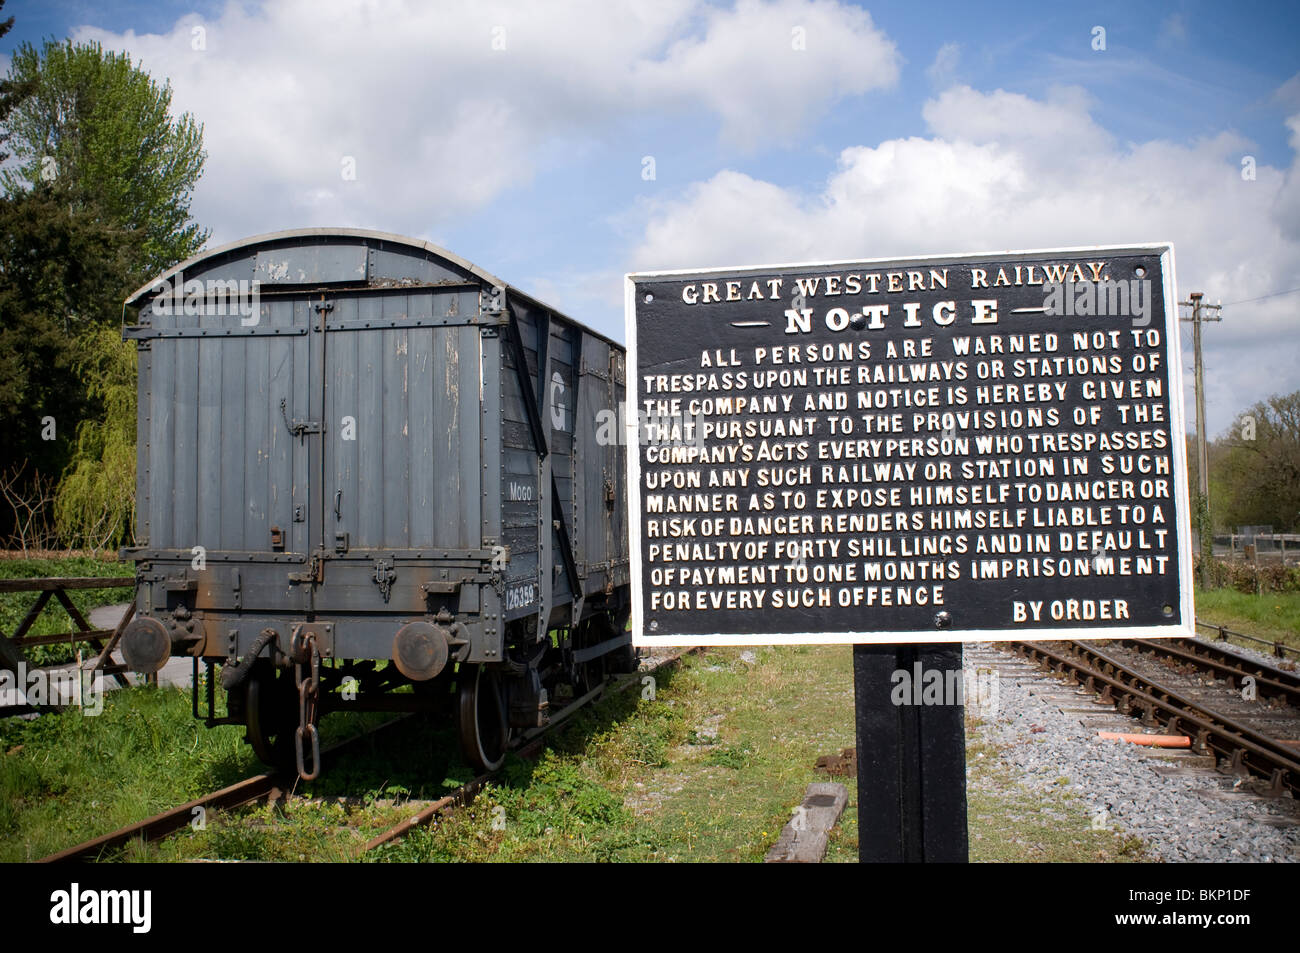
1244,576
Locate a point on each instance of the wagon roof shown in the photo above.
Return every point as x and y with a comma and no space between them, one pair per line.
231,250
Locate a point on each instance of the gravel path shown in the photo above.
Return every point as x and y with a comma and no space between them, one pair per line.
1182,814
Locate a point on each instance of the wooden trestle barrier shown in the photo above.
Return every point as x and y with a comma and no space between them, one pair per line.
102,640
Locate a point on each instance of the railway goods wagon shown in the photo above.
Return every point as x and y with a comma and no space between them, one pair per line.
371,476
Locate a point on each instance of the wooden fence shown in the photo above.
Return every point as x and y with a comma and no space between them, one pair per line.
102,640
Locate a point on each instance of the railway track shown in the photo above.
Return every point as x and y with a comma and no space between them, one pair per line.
249,791
1271,682
533,746
1229,736
268,786
272,785
1250,743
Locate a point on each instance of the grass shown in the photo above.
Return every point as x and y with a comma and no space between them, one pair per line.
1272,615
66,777
708,769
711,769
54,619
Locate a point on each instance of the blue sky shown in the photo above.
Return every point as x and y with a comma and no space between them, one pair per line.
517,136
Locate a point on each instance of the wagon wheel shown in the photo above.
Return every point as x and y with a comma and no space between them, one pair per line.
592,673
266,719
623,659
620,661
483,717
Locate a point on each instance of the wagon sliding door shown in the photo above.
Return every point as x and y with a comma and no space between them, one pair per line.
221,467
401,427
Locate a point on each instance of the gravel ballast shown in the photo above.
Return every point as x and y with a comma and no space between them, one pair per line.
1181,814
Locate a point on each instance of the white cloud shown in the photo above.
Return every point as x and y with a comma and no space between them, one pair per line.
769,68
1059,128
446,106
944,68
1288,94
1003,170
1286,204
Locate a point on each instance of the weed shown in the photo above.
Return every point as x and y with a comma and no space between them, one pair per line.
731,756
237,842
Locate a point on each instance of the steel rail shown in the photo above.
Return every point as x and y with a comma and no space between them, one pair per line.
1216,649
248,791
1192,705
168,822
1280,649
1267,680
535,741
1247,749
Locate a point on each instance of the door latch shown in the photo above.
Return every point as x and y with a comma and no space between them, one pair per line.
384,576
313,573
298,426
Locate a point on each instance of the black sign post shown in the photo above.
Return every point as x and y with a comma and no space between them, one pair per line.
904,455
911,760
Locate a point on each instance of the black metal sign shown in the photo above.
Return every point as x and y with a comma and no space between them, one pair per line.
939,449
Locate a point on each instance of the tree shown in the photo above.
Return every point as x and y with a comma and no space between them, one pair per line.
95,503
11,92
96,203
1258,466
63,276
102,128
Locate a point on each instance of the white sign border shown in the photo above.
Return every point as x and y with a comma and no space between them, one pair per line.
1177,428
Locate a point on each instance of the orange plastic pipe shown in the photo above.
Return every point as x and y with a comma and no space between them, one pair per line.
1154,741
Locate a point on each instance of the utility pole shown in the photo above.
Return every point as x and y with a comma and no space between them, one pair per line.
1204,526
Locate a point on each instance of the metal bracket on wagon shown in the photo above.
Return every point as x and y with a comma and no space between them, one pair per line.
322,633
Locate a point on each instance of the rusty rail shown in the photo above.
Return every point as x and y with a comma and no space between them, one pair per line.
270,785
1280,649
535,742
1248,750
1271,682
168,822
56,588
